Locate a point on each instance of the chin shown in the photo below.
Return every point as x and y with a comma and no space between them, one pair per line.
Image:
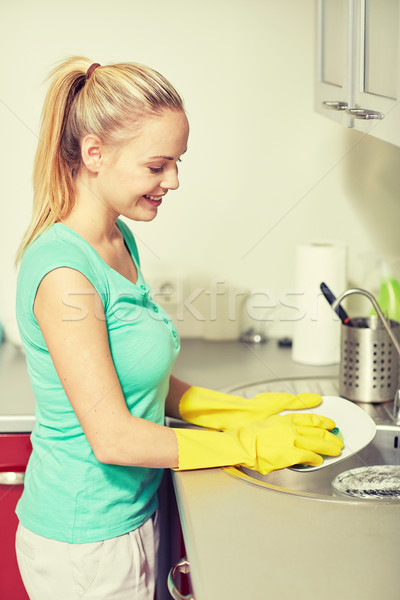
142,215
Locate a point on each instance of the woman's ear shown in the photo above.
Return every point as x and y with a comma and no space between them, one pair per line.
91,150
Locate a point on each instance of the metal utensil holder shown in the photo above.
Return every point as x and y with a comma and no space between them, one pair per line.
370,351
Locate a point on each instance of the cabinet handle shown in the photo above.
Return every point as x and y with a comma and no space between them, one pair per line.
364,113
11,478
182,566
334,105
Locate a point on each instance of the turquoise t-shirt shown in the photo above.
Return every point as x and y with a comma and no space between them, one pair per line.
68,494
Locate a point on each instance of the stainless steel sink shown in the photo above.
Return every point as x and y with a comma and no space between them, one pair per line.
383,450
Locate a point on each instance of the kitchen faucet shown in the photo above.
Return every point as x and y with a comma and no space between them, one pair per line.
396,404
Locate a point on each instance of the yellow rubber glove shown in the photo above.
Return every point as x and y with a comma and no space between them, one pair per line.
217,410
276,443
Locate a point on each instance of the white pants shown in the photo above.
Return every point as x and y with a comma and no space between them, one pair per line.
122,568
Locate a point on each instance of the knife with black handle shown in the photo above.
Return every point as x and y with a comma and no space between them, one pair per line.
329,295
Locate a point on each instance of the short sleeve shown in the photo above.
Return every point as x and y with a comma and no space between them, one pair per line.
38,261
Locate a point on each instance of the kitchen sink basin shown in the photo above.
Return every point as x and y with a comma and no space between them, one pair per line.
383,450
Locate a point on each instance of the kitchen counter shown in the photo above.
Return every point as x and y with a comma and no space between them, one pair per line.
249,542
220,365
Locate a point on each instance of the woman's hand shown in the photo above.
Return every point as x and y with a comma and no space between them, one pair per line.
275,443
217,410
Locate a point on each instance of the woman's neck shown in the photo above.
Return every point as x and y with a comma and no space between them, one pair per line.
90,216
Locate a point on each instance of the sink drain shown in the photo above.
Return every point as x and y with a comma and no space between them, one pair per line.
379,481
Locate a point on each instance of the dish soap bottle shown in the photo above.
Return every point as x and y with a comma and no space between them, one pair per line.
389,294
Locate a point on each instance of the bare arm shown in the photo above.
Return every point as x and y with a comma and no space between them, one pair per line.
81,355
176,390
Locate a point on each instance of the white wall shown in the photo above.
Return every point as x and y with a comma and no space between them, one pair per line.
263,170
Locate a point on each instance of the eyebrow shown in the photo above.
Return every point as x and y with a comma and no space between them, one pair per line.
166,157
163,156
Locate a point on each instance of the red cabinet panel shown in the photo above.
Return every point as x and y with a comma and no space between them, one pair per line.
15,449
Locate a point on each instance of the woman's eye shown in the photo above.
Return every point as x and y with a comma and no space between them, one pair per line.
156,170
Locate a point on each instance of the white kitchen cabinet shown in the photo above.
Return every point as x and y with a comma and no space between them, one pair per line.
358,65
334,65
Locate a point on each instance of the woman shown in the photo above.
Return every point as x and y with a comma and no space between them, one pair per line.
100,352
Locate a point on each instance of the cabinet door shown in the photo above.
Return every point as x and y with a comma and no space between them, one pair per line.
333,90
15,449
377,78
11,585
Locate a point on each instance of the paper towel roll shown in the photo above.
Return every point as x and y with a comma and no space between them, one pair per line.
316,339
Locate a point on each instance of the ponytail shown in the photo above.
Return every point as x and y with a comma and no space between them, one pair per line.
106,101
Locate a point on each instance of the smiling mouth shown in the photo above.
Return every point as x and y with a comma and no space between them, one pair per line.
153,200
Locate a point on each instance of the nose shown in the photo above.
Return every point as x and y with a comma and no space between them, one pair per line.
170,180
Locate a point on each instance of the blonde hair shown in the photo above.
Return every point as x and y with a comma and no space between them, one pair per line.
110,103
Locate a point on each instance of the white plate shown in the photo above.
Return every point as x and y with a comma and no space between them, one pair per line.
356,427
